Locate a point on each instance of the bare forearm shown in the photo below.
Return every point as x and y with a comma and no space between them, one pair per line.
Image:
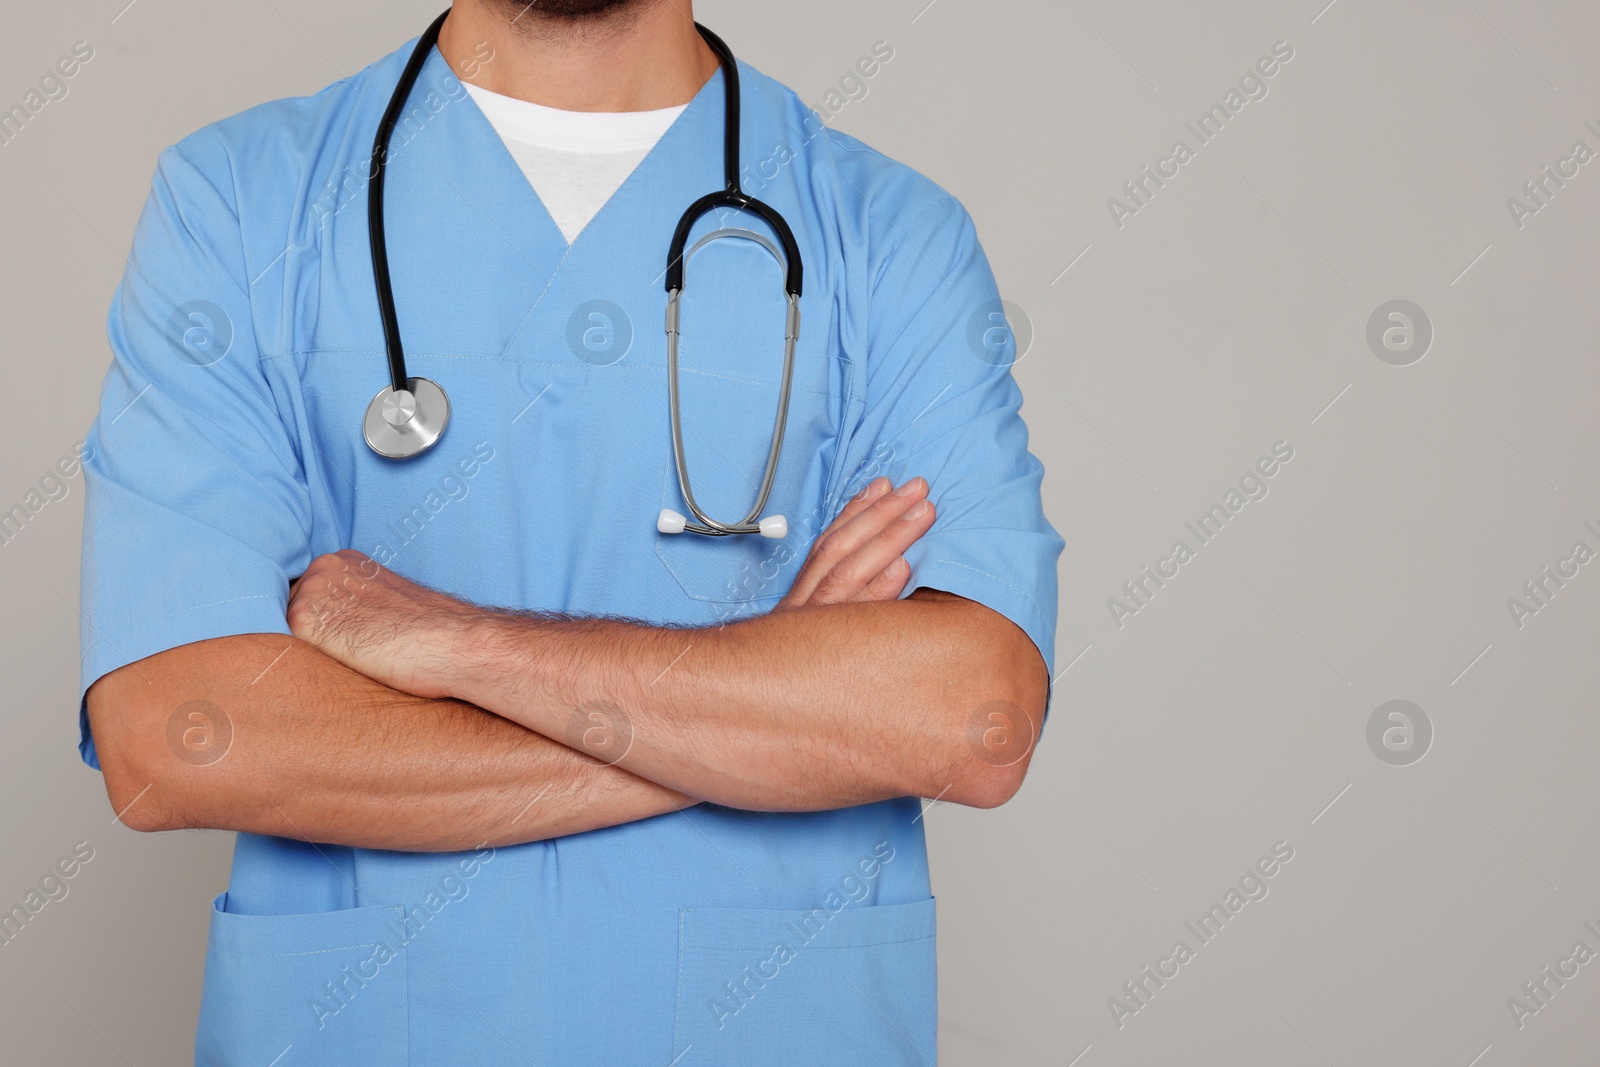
817,708
843,695
322,753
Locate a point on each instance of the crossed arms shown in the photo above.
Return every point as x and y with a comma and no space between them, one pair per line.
398,717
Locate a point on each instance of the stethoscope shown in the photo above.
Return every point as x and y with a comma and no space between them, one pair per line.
409,415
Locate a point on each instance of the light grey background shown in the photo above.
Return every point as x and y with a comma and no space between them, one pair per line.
1230,313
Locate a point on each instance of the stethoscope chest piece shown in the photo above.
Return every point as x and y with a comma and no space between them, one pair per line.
403,423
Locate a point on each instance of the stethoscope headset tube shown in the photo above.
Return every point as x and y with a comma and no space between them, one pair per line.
409,415
730,196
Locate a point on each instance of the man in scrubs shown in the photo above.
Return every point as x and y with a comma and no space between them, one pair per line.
516,777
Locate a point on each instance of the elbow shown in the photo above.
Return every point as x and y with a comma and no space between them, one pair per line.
994,745
992,741
990,772
137,806
136,810
130,740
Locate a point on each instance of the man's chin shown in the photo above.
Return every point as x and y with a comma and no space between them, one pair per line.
521,11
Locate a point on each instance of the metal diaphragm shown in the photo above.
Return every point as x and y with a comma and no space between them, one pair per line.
407,423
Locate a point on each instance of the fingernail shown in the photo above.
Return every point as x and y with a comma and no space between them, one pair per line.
910,487
874,488
917,511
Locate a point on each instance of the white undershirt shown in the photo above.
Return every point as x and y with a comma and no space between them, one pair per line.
574,160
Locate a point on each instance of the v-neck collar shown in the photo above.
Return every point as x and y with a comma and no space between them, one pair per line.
697,108
475,230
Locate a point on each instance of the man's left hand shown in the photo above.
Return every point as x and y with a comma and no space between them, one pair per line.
373,620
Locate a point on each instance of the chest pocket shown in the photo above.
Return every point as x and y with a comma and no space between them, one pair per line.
732,317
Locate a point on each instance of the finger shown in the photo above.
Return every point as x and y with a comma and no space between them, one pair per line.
817,561
845,535
889,583
887,549
850,576
872,520
860,502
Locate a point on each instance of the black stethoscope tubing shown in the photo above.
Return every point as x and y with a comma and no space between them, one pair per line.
400,415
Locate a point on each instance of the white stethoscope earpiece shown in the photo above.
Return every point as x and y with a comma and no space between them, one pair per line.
775,527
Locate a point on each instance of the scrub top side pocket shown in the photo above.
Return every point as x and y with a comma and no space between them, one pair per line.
807,987
331,986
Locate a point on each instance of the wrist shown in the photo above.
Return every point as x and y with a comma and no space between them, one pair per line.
507,663
483,649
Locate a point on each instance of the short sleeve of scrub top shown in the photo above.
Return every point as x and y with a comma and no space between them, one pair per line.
197,511
937,399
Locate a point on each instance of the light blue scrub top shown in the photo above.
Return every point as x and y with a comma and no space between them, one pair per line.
228,454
